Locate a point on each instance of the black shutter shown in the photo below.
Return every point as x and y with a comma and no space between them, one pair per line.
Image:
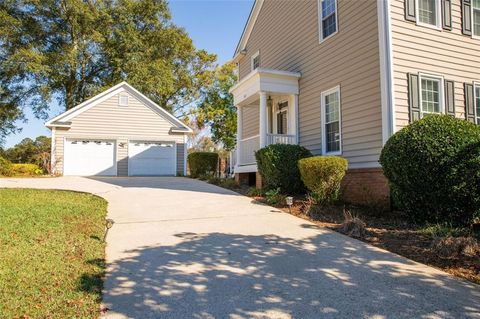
447,14
413,97
469,103
450,98
410,10
467,17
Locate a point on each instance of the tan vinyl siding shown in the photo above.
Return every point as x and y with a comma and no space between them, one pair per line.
250,121
287,36
421,49
108,120
180,158
122,157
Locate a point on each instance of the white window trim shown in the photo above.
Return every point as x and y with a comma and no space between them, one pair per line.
320,20
323,116
277,111
438,9
120,96
475,86
471,23
441,93
256,54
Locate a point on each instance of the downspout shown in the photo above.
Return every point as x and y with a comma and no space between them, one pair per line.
386,70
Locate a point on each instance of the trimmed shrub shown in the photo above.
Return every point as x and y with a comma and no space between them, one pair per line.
5,167
322,176
433,167
26,169
202,163
277,164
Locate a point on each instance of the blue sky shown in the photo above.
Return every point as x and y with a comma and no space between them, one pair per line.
214,25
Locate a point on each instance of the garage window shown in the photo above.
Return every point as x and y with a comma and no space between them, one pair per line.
123,100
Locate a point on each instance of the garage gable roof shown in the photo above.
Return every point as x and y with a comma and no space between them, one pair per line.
64,119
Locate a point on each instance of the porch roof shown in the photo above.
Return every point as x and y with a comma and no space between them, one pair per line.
264,80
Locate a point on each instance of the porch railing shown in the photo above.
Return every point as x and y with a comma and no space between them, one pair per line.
248,147
280,139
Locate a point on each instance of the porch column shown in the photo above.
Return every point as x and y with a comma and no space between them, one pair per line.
239,132
296,130
263,119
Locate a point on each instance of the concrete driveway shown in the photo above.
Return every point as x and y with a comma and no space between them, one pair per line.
181,248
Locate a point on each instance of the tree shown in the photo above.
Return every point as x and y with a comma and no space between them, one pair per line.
70,50
216,109
29,151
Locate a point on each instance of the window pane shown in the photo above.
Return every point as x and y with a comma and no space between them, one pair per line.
332,122
430,96
329,26
256,62
476,4
477,102
427,11
329,23
328,7
476,21
332,131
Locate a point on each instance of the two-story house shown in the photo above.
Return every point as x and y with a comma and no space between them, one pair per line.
340,77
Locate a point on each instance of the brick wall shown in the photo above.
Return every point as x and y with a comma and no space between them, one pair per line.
366,186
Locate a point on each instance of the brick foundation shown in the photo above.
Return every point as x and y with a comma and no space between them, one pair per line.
366,186
258,180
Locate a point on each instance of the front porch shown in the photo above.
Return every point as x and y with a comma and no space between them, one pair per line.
267,109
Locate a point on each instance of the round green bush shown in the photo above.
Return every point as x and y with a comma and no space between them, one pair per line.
322,175
433,167
277,164
202,164
5,167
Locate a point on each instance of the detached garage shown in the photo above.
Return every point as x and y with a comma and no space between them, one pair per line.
119,132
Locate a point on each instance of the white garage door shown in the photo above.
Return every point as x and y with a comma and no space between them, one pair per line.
151,158
89,157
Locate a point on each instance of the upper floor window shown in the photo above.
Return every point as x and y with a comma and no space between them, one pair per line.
123,100
431,94
477,102
255,61
328,18
429,13
331,118
476,17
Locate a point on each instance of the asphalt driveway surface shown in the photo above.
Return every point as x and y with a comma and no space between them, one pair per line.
181,248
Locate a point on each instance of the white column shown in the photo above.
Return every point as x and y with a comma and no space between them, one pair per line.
296,129
239,132
263,119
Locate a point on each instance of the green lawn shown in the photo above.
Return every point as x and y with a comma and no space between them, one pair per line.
51,254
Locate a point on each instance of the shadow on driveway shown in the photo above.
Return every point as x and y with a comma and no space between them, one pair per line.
220,275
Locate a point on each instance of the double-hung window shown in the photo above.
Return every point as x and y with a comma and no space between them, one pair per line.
429,13
476,17
328,20
255,61
477,101
331,122
431,94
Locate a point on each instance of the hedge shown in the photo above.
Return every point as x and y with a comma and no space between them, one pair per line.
433,167
26,169
322,175
5,167
277,164
202,164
